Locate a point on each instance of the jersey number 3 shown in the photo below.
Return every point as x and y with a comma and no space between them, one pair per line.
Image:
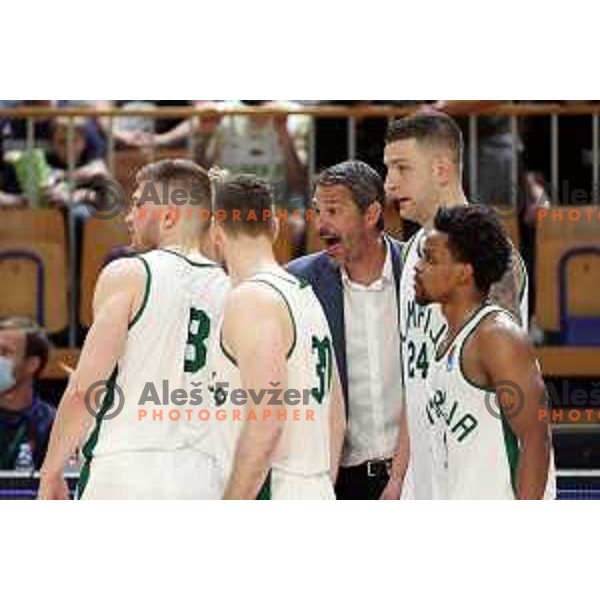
323,348
195,349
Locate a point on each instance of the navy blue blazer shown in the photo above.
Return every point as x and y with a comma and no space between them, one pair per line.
326,280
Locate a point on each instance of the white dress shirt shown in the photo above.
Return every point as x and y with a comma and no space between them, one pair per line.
375,392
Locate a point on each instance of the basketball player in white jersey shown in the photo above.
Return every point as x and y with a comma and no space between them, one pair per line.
486,391
423,156
154,316
274,345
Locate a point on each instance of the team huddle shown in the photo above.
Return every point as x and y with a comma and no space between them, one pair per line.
204,308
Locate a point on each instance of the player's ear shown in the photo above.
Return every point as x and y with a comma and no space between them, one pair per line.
275,228
442,169
373,214
467,273
216,234
172,215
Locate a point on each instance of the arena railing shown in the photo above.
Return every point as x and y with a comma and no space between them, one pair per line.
513,111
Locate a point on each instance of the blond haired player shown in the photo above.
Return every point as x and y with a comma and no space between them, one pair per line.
154,316
275,348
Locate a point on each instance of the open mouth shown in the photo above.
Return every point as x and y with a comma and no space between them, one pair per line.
332,242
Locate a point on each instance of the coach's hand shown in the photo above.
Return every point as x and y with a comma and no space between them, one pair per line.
53,487
392,490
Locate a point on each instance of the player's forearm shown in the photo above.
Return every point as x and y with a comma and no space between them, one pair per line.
96,168
179,133
402,452
532,471
72,423
252,459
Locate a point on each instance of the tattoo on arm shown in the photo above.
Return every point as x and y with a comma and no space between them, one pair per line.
507,292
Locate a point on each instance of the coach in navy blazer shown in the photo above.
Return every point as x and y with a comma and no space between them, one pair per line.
357,281
325,277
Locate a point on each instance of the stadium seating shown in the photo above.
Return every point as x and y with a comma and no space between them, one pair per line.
34,266
579,309
560,233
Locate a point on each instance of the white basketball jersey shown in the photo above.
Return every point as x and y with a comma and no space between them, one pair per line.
421,330
166,349
304,447
475,451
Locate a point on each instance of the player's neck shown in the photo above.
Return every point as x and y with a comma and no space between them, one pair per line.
182,244
249,257
460,310
453,196
18,399
369,267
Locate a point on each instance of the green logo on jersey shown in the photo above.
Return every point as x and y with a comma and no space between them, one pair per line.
419,317
459,425
323,366
417,327
198,330
422,362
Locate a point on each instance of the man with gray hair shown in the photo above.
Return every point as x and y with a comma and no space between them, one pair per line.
356,279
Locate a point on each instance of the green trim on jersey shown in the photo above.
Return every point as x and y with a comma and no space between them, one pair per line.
291,350
292,278
265,491
513,453
499,309
460,362
90,445
142,307
407,247
210,265
232,358
437,357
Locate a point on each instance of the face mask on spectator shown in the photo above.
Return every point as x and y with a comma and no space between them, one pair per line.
7,374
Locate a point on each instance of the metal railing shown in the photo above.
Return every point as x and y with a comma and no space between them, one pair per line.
514,112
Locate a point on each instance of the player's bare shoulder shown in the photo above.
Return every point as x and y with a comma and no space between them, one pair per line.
124,269
252,303
122,277
499,336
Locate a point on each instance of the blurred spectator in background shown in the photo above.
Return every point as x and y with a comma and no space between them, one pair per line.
10,194
139,131
25,419
14,131
87,161
494,150
273,148
39,174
